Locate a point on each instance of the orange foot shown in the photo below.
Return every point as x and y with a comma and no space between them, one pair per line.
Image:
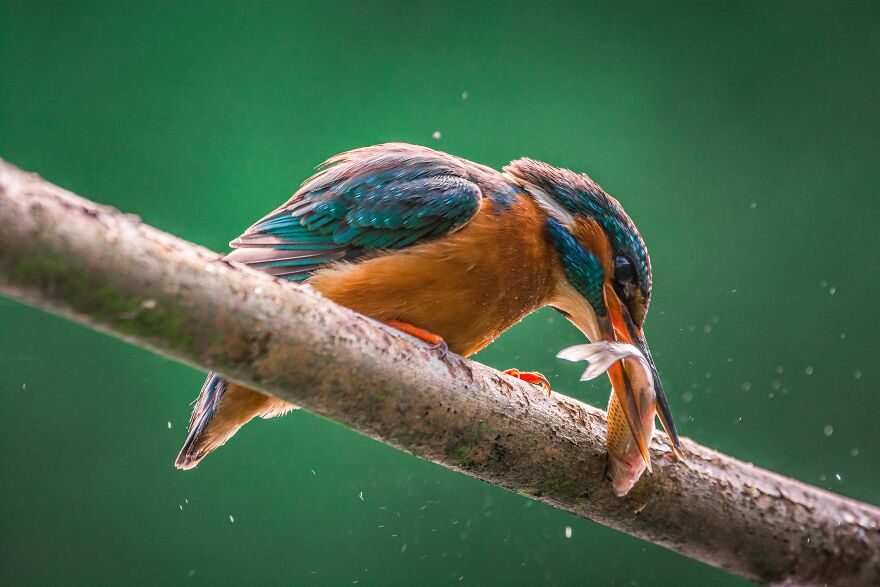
532,377
432,339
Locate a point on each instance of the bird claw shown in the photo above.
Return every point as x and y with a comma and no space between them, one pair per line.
532,377
442,347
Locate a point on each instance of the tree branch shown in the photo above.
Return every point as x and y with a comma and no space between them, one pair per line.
113,273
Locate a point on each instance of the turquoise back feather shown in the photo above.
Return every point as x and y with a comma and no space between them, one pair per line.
384,197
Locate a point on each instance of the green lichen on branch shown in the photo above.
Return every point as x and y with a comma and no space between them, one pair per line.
105,304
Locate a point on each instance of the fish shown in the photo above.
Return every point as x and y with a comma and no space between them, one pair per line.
625,463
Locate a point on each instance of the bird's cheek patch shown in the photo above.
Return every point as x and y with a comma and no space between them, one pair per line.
588,232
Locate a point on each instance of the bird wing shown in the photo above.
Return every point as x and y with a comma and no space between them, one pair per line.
382,197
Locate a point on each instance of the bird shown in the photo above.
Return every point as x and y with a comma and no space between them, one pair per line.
453,253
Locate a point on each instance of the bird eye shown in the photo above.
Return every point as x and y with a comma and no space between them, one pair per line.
624,272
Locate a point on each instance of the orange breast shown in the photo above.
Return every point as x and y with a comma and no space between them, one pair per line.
467,287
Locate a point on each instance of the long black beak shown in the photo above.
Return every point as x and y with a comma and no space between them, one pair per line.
662,403
617,326
663,410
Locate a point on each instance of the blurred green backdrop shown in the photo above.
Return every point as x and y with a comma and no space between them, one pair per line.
741,137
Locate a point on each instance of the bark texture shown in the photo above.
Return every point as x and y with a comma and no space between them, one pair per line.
111,272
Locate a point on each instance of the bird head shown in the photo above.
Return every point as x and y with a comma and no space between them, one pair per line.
604,281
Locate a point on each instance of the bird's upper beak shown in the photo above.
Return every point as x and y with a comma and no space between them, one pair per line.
618,326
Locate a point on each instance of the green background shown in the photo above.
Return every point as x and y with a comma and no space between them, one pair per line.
742,138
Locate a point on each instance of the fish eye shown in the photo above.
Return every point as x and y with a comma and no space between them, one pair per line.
624,272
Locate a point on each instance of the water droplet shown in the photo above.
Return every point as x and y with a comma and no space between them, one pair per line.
828,430
823,284
776,385
707,328
808,370
854,452
464,95
753,205
436,136
403,548
780,369
746,386
822,477
857,374
687,396
568,531
24,386
832,291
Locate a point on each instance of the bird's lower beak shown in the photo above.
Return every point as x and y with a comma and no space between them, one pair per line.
638,407
613,329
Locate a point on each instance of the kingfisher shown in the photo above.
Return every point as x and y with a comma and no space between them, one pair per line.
454,253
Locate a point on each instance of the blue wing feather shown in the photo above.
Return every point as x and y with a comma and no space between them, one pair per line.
382,197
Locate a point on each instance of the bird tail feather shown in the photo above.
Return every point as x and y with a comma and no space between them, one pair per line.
222,408
207,404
